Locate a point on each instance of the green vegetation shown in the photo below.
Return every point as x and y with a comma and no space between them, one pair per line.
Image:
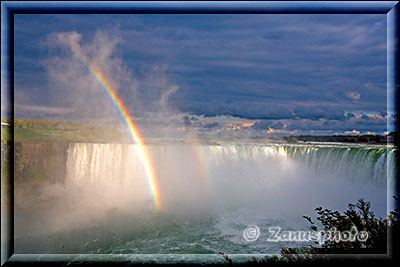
291,139
33,123
34,129
5,135
5,175
39,151
358,215
341,138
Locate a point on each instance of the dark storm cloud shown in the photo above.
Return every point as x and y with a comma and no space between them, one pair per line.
359,124
318,112
186,121
301,68
362,123
382,113
211,125
266,124
245,109
365,117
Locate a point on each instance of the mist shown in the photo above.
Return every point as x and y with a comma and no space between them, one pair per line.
145,90
106,189
216,188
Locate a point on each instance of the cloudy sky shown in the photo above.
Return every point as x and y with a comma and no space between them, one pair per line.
214,75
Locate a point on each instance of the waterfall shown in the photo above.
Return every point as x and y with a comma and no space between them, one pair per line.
227,174
362,164
118,163
208,192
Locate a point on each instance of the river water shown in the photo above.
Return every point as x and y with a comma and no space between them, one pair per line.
210,193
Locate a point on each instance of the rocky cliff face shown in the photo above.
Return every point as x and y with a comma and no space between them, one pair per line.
36,164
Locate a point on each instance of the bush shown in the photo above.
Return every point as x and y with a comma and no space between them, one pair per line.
360,216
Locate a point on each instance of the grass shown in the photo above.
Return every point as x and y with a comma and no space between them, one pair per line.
5,173
51,130
67,135
5,134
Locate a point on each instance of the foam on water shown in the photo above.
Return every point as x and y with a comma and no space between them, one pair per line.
106,201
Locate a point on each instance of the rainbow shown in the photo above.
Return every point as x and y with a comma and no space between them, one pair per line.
129,121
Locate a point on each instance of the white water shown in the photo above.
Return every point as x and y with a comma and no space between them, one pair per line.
231,175
209,195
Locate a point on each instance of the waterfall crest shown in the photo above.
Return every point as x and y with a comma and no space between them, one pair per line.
226,175
120,164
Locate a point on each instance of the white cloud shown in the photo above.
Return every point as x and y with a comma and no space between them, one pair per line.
353,95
